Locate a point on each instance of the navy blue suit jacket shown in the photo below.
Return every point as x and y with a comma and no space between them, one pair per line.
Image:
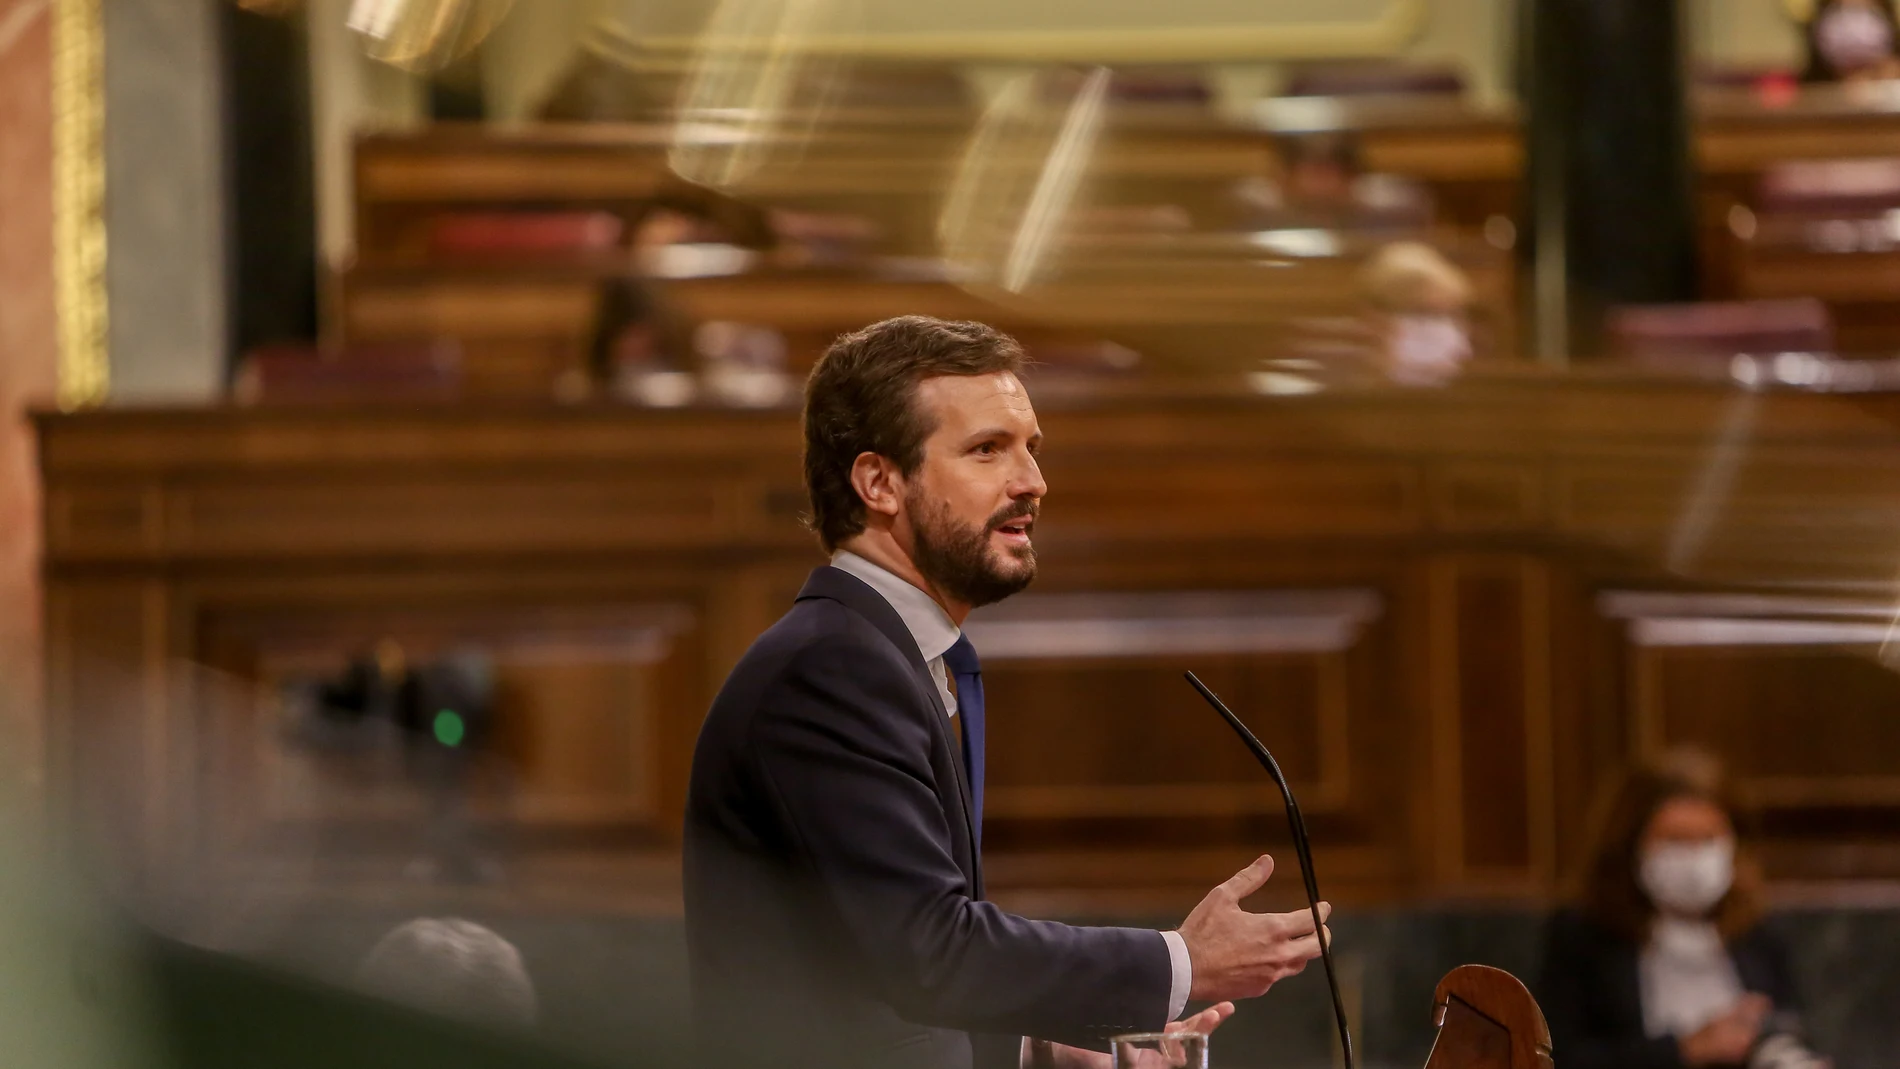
834,902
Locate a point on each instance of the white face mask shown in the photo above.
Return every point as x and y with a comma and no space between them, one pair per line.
1852,38
1427,350
1688,877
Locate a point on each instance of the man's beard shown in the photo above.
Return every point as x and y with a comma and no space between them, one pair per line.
957,559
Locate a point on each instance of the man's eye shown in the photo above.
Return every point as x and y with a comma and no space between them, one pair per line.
987,448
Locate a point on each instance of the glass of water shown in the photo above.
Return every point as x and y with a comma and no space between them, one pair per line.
1161,1050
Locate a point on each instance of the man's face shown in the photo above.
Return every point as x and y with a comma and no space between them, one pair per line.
972,503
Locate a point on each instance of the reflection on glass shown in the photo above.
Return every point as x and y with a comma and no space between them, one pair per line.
758,88
425,35
1008,206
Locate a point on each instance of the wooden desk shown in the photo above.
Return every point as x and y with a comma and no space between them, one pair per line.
1853,264
1452,614
1764,257
1737,135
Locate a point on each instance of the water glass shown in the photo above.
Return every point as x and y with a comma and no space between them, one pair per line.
1161,1050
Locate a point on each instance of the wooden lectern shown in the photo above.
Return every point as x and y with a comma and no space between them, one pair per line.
1487,1019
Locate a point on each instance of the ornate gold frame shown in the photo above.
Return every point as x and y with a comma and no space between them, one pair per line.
79,182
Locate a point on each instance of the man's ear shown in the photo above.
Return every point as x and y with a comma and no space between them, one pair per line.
879,483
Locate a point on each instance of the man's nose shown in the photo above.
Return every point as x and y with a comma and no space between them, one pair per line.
1029,481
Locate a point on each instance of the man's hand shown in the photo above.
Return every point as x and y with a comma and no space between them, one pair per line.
1727,1039
1059,1056
1205,1021
1237,954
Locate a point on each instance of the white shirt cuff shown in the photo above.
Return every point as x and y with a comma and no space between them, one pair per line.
1183,974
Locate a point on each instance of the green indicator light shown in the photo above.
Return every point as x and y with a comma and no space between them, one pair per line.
449,728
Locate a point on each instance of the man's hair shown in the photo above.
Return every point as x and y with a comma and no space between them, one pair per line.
862,398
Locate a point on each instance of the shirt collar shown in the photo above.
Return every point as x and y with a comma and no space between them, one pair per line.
929,625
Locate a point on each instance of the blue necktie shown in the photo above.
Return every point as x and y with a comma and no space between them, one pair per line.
961,660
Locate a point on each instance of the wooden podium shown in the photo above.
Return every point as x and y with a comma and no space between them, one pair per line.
1487,1019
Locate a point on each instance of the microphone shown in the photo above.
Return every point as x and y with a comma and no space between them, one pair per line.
1301,849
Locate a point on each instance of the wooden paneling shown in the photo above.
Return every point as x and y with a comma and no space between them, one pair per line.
1130,767
1399,590
427,513
124,520
1486,496
1286,657
1798,695
1491,710
1261,501
1748,702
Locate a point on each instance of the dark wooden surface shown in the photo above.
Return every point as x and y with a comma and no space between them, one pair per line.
1452,614
1487,1019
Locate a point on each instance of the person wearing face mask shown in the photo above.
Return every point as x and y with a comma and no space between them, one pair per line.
1664,962
1419,308
1852,41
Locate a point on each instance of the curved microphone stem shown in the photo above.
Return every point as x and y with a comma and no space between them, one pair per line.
1301,848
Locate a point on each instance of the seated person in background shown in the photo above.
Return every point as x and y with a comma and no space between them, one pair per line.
1664,962
1420,314
1323,183
1320,170
635,333
1852,40
452,967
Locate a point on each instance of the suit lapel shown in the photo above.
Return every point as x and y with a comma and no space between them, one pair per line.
847,589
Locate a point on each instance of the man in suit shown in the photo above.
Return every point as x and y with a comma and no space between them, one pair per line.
834,885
